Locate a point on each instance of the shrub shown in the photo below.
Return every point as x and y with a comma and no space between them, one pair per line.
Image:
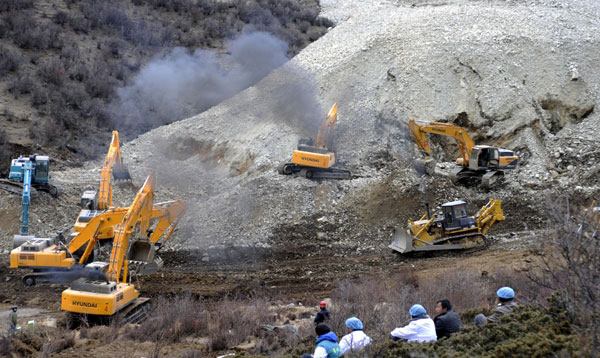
9,5
52,71
22,84
9,60
61,18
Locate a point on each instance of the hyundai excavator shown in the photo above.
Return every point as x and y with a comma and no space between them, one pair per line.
54,261
115,297
113,165
478,164
314,160
454,230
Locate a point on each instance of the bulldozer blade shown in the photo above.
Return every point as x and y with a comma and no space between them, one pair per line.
402,241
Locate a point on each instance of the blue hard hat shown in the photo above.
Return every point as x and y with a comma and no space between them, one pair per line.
506,293
354,323
417,310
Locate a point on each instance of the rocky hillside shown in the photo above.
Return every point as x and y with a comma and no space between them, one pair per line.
517,74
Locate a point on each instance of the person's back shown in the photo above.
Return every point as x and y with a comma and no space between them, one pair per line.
12,317
506,305
323,314
326,343
356,340
420,328
503,308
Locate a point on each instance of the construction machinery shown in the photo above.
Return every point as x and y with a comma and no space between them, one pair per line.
454,230
478,164
113,165
39,174
314,160
57,261
115,298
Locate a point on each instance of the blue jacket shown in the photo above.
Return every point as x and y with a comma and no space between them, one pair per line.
329,342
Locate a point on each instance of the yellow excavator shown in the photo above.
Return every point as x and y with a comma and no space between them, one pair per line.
315,160
454,230
54,261
478,164
113,166
115,297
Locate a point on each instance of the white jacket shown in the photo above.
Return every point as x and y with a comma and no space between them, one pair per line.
356,341
418,329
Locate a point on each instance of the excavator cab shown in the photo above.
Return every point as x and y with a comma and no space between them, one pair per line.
89,200
484,158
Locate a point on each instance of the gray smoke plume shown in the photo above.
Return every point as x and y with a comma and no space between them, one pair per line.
181,84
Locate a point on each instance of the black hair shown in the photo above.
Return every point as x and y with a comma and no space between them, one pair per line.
505,299
322,329
445,304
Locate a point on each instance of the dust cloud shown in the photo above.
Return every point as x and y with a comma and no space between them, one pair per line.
180,84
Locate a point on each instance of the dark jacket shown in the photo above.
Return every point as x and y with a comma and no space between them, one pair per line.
322,316
446,324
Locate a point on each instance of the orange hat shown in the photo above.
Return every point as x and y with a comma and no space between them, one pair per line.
322,304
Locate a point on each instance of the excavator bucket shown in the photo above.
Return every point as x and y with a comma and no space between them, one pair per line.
402,241
143,255
121,173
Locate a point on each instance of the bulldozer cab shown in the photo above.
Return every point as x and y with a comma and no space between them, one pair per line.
484,157
455,216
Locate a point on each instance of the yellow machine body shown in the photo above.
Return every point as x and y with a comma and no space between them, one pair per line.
454,230
50,257
316,160
100,304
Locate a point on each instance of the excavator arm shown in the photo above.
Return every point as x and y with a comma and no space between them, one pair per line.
325,136
140,210
170,213
113,165
418,131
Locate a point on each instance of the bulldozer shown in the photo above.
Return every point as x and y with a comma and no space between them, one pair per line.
454,230
478,164
315,159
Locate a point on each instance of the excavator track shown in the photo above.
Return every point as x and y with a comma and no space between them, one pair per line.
136,312
17,187
314,173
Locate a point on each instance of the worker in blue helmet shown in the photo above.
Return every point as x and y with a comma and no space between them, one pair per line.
356,339
419,329
505,305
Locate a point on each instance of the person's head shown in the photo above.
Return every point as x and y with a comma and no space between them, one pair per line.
417,311
14,308
442,306
323,305
354,324
505,294
322,329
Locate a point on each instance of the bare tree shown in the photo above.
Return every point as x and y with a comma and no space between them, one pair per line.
570,265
